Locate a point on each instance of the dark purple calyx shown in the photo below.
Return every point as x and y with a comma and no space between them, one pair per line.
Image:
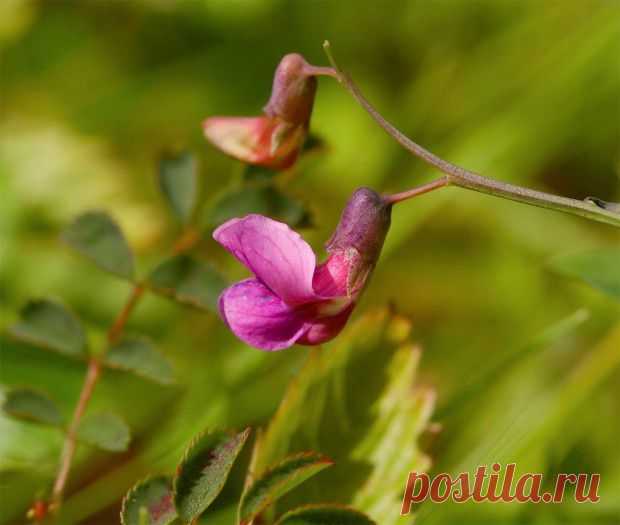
363,226
294,87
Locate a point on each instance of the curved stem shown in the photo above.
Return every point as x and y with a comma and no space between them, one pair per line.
458,176
321,71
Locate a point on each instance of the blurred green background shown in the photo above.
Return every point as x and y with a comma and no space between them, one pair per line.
92,94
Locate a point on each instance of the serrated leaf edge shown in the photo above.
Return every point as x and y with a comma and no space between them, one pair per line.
231,433
326,506
321,459
135,487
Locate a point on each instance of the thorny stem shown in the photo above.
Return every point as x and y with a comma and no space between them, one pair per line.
589,208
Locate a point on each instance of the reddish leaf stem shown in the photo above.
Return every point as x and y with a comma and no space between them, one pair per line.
116,330
68,450
185,242
92,377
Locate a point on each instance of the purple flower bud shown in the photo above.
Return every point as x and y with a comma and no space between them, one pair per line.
363,226
275,139
291,299
292,94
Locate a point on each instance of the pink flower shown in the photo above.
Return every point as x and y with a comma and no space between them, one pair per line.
275,139
263,141
291,299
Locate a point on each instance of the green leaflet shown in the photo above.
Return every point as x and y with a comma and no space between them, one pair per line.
279,480
28,404
265,200
97,237
140,357
188,281
106,431
49,324
202,473
178,181
324,515
149,502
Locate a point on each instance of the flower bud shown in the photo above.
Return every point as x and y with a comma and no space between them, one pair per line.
364,224
291,299
275,139
292,94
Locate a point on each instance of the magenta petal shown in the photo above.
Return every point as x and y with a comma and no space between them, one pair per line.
277,255
259,317
331,277
325,328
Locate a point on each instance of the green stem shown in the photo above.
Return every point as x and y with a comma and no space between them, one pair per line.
589,208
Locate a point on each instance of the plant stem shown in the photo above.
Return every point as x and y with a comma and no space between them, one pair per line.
68,450
185,242
92,377
419,190
116,330
463,178
321,71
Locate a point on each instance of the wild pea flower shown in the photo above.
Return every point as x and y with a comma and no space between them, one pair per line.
274,139
291,299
